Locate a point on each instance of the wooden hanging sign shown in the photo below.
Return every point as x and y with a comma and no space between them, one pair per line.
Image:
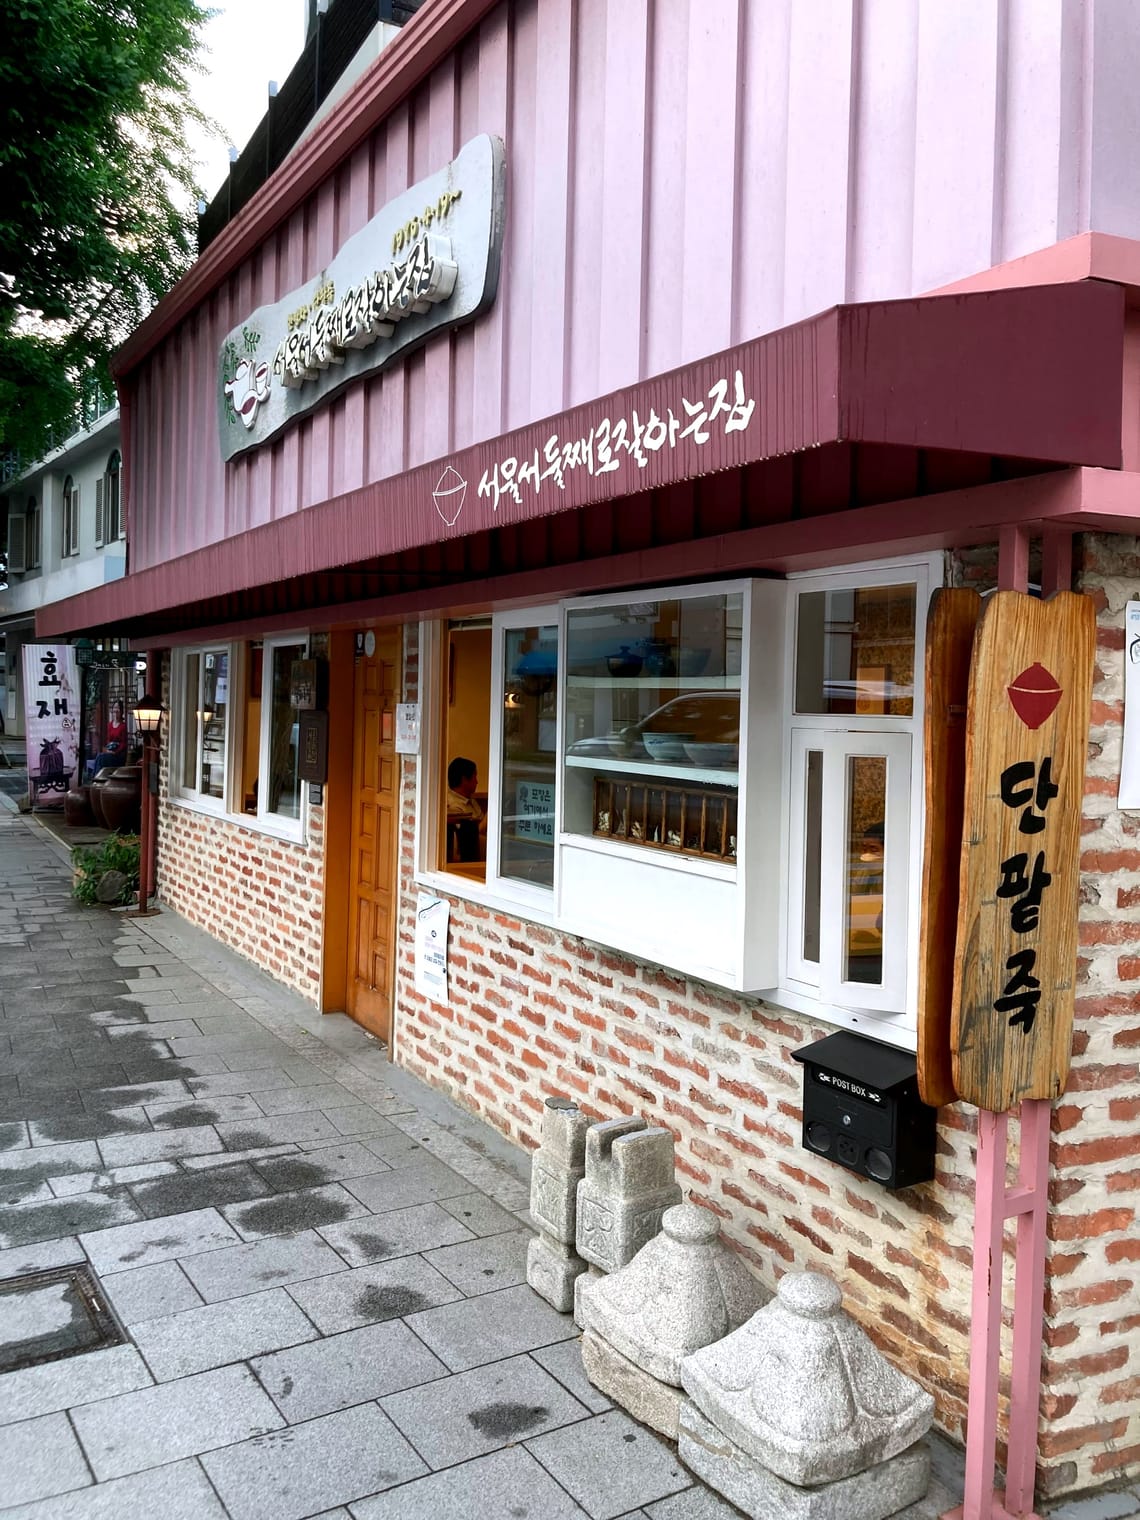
1026,742
950,628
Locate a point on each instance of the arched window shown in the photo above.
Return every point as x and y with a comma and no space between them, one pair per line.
109,525
33,546
70,537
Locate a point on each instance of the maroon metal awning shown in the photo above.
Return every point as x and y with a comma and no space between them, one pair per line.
1030,374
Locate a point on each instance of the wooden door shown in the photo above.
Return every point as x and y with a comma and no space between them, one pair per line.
373,890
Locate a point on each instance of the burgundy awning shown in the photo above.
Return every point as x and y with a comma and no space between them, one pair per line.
1026,374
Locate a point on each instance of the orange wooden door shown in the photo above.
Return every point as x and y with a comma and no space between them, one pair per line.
373,890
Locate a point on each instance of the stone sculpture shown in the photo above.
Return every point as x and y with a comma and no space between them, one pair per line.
796,1416
683,1290
552,1264
628,1185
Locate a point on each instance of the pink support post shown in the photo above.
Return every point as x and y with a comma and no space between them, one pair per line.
985,1317
1028,1306
994,1204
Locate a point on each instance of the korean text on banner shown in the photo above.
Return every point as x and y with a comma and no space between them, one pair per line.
1026,742
432,915
1129,793
51,721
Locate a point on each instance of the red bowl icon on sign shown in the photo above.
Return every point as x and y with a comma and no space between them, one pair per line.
1034,695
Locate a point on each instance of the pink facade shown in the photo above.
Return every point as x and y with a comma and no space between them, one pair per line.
870,153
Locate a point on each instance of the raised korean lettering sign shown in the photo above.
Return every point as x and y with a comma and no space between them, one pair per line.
428,261
1027,734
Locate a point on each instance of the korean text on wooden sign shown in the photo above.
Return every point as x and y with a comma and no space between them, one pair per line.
1015,966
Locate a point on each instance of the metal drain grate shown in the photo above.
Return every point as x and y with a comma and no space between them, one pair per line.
46,1316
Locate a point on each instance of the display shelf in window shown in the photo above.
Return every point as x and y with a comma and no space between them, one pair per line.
697,821
653,689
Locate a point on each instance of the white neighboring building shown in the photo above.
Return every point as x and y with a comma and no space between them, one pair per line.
65,532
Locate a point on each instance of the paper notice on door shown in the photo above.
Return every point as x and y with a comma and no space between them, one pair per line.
1129,793
431,946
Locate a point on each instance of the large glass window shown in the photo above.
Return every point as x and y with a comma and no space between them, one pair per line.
280,798
652,722
528,770
465,761
202,680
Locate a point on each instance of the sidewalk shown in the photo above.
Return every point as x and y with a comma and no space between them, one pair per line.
318,1261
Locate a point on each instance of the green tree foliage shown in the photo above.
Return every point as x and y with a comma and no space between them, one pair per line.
96,190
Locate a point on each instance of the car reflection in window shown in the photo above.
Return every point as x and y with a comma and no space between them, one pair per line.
711,717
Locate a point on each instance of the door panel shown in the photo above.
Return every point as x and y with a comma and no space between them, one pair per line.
373,894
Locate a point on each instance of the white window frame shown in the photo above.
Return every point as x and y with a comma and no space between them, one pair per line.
537,905
114,528
507,887
69,538
34,536
180,790
277,824
887,1010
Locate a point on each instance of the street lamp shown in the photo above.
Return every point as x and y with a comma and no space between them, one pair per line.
148,716
148,721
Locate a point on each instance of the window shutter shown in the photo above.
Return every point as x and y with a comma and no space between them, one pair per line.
17,562
99,491
74,546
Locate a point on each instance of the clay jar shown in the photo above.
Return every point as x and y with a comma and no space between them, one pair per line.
77,808
121,798
95,795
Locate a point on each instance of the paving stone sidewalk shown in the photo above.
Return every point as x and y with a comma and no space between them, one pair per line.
319,1262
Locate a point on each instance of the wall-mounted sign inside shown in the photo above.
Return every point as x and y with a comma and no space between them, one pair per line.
429,260
1027,736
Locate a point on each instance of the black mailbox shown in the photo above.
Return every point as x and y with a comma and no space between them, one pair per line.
862,1110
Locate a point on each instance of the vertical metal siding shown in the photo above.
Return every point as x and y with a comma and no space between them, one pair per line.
681,177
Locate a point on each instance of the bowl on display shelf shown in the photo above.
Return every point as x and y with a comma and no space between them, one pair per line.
668,747
713,756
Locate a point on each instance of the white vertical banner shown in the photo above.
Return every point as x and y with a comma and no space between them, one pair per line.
1129,794
432,915
51,721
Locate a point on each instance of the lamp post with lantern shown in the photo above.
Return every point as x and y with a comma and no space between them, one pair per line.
148,722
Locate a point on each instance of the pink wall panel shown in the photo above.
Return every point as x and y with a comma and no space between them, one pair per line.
681,176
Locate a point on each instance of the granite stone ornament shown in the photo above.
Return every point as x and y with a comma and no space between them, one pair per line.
683,1290
796,1416
628,1185
552,1264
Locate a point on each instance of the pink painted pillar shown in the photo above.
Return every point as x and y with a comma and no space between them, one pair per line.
994,1204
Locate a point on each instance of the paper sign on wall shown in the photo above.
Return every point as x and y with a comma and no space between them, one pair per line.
1027,737
432,914
407,728
51,720
1129,793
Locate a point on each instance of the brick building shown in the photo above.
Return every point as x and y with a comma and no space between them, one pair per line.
613,384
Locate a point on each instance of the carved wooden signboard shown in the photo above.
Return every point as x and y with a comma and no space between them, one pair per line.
1027,735
949,640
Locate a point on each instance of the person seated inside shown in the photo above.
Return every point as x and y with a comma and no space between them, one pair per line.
114,750
465,820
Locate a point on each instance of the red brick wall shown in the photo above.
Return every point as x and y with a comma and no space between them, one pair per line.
259,895
534,1012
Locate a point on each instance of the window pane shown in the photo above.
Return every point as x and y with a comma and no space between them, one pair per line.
215,699
813,852
283,793
863,897
526,838
251,731
652,691
855,652
189,755
467,748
